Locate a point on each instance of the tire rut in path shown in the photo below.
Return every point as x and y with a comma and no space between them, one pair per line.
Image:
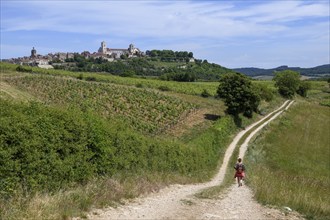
178,201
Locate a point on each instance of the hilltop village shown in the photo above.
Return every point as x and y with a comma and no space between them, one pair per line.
47,61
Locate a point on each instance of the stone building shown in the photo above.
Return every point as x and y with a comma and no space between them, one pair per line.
33,53
116,53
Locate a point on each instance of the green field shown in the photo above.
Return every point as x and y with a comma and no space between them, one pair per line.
289,162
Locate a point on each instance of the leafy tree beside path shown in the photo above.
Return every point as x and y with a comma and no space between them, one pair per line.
288,83
239,94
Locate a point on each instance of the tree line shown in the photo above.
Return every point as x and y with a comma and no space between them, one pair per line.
170,55
154,66
241,96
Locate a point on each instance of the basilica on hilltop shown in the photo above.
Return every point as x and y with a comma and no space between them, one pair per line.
116,53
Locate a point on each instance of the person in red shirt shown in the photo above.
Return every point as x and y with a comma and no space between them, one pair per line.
240,172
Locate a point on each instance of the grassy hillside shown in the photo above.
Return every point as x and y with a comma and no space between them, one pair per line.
10,92
288,165
192,88
78,136
71,141
141,109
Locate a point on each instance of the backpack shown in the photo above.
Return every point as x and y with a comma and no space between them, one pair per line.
240,167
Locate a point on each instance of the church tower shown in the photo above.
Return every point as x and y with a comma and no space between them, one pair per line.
131,49
33,53
103,48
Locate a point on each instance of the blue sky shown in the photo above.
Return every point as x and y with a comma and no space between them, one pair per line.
231,33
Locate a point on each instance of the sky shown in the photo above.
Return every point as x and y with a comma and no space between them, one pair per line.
231,33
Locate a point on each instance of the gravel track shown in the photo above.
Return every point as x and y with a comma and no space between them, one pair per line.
179,202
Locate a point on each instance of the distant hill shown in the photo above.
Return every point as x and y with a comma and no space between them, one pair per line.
318,71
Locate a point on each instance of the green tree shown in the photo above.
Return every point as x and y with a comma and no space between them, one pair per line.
239,94
264,92
303,88
287,82
123,56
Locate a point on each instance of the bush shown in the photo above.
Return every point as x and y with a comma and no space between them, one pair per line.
81,76
205,94
139,85
26,69
287,82
127,73
164,88
90,78
264,92
43,149
46,149
303,88
325,103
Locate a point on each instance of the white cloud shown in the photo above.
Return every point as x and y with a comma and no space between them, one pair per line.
210,19
219,31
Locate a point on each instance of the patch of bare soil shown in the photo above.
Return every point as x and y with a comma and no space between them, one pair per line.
179,202
192,119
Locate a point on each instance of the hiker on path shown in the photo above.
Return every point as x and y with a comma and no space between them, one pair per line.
240,172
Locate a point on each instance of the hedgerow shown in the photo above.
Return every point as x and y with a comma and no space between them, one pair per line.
45,149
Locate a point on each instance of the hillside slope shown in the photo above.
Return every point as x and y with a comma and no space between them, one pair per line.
93,140
179,202
77,135
294,150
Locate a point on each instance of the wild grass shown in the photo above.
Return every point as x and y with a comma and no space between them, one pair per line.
289,163
216,191
76,201
10,92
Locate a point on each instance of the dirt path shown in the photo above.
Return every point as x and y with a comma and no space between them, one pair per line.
179,202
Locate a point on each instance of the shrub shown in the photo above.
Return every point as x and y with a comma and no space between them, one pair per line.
287,82
90,78
139,85
205,94
43,149
81,76
164,88
26,69
325,103
264,92
303,88
46,149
